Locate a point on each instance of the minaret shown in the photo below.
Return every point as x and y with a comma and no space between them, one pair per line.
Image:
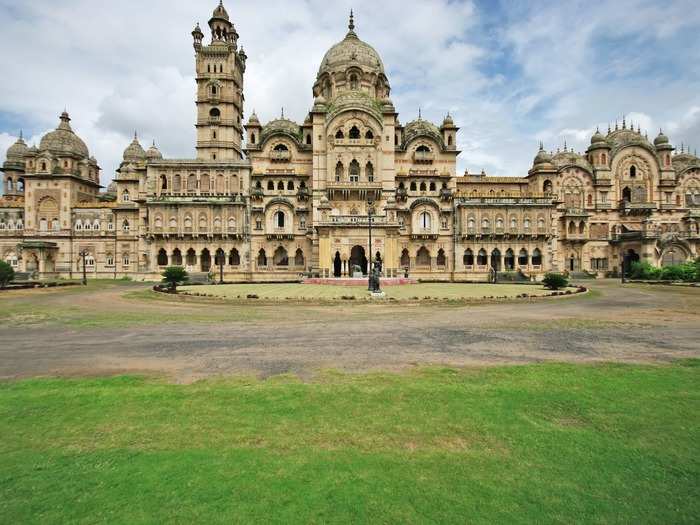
220,69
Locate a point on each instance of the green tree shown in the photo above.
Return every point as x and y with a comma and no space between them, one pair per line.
555,281
7,274
175,275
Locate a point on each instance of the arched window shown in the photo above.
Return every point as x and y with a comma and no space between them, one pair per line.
234,258
173,223
177,257
214,113
526,223
468,259
405,259
537,257
603,159
449,140
354,133
581,228
425,220
163,182
432,186
290,185
55,225
633,172
280,258
9,185
423,149
627,195
252,138
281,147
220,258
217,223
308,139
125,226
522,257
270,185
513,223
162,258
339,169
279,219
78,225
125,196
369,135
547,187
413,185
471,223
188,222
423,187
192,183
340,135
353,83
176,183
262,258
354,171
572,227
299,258
485,224
482,259
231,223
369,170
191,257
441,258
509,260
43,225
589,200
280,186
423,257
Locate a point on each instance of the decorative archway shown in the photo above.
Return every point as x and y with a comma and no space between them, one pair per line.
205,260
358,258
337,265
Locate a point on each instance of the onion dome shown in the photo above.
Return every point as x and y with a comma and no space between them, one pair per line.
351,52
220,12
448,122
134,152
197,33
154,153
542,157
254,120
63,140
661,139
597,137
18,150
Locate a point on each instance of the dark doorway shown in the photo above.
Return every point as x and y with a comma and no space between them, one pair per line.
337,265
630,257
358,257
206,260
496,260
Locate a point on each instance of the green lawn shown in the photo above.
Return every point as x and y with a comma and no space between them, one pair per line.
533,444
407,292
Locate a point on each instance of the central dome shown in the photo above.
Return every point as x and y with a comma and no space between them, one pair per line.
351,52
63,140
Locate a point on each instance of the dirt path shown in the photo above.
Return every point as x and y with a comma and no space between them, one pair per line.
191,341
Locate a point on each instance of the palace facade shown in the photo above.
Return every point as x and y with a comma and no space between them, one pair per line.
264,202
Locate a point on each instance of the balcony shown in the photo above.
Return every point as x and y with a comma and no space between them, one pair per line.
638,207
575,212
354,185
424,157
356,220
281,156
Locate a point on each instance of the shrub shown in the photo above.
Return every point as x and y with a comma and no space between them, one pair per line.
643,271
175,275
555,281
7,274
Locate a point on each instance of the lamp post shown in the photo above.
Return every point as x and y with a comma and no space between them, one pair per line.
221,257
83,254
370,203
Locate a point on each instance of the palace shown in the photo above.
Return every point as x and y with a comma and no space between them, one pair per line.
270,202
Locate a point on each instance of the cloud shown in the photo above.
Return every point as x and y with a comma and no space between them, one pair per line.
511,73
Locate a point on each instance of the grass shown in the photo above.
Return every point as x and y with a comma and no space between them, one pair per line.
534,444
448,291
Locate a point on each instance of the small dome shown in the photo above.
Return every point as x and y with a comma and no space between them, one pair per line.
134,152
153,153
448,122
281,126
63,140
661,139
112,188
220,12
597,137
17,150
254,119
351,51
542,157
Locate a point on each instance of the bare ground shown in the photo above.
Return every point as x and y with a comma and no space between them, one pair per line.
189,341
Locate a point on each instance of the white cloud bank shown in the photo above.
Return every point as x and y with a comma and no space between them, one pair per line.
511,74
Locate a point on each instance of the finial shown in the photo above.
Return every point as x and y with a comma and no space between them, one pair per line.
661,131
420,113
541,146
616,125
136,135
282,111
565,146
154,143
639,128
351,25
624,123
21,134
609,130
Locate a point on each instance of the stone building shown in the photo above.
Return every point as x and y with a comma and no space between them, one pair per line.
264,202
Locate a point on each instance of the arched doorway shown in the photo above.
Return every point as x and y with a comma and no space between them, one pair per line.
205,260
631,257
673,256
572,263
510,260
496,260
337,265
358,258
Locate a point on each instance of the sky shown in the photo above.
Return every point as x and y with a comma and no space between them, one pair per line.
511,73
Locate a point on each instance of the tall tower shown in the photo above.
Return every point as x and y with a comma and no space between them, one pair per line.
220,68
